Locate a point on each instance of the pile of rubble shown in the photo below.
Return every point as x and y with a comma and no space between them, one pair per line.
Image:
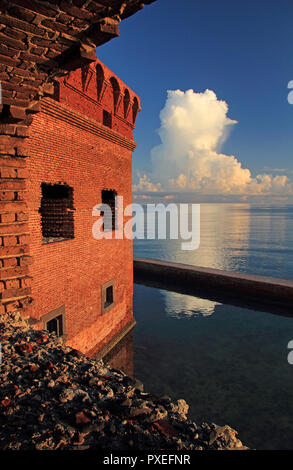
54,397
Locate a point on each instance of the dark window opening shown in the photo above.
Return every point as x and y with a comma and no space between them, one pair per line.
107,119
109,296
57,212
55,322
55,325
109,220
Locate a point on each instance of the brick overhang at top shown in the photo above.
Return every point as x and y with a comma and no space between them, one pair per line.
43,40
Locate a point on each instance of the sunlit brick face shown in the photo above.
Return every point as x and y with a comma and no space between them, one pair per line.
76,163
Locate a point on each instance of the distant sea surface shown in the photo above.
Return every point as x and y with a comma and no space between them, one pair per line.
229,363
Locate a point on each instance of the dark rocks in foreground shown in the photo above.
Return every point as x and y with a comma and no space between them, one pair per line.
54,397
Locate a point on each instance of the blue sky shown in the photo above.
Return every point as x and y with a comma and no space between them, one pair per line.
240,50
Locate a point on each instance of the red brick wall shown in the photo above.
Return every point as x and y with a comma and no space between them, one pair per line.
79,91
72,272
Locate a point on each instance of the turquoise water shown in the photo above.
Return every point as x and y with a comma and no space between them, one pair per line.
229,363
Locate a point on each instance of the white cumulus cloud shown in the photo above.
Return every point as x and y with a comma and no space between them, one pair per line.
194,127
144,184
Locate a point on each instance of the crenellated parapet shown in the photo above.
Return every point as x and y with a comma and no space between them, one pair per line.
97,93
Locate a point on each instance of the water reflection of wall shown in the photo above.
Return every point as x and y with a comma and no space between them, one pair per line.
179,305
224,244
121,356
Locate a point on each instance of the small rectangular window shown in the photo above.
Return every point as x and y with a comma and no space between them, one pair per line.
54,321
56,325
107,118
108,297
57,212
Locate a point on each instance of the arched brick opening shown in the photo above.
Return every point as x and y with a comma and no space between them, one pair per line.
84,76
135,108
116,93
100,77
126,102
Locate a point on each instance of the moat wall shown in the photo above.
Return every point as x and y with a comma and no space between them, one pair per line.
230,287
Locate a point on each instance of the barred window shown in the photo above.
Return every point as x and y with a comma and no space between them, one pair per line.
56,325
108,197
57,212
54,321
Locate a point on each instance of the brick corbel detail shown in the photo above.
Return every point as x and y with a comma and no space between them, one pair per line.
15,281
63,113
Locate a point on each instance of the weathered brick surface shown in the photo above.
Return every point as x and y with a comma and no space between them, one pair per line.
33,36
72,272
14,248
13,272
40,42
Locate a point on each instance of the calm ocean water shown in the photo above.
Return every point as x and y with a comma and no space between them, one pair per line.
229,363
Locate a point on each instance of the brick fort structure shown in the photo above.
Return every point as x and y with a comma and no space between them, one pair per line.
66,142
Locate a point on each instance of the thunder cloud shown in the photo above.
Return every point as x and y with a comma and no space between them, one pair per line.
194,127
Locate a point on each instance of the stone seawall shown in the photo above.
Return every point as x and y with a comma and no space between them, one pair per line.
275,294
54,397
